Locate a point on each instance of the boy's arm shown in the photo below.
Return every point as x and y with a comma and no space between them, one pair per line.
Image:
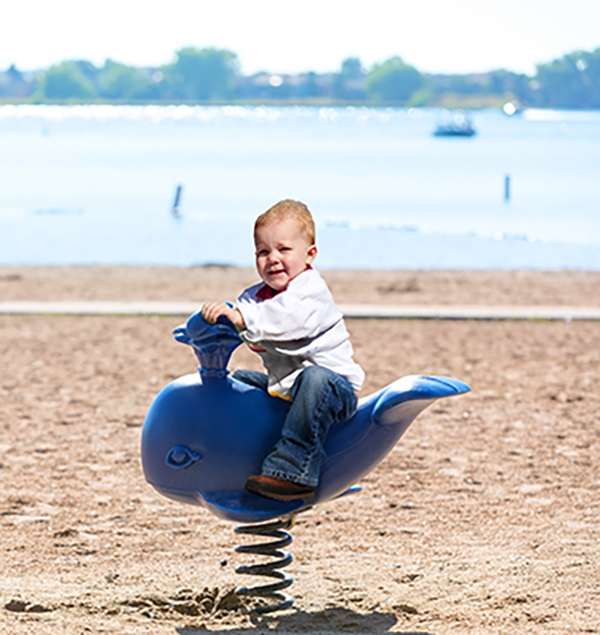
212,310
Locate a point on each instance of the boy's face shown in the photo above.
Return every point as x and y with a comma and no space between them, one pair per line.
282,252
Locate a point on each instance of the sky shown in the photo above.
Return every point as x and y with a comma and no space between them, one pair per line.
292,36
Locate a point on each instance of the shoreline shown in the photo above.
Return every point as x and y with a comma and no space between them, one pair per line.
344,247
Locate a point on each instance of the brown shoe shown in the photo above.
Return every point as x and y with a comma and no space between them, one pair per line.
278,488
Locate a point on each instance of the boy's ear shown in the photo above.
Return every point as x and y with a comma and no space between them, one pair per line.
311,254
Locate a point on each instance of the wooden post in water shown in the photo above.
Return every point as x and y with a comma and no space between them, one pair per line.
507,188
175,208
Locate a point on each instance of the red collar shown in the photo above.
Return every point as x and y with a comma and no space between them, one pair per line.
266,292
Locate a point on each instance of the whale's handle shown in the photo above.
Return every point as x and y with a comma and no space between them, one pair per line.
213,344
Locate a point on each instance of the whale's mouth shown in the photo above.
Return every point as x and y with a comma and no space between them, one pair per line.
189,497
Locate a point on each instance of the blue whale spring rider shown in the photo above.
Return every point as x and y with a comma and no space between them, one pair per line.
206,432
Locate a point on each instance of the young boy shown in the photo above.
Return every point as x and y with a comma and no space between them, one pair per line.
292,322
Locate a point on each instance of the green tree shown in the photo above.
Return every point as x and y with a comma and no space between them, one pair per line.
572,81
392,81
70,80
349,83
118,81
202,74
310,85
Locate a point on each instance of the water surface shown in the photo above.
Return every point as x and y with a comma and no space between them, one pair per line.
95,184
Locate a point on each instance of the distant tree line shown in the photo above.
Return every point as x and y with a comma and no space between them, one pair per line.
213,75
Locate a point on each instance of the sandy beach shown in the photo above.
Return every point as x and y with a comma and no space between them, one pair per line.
483,519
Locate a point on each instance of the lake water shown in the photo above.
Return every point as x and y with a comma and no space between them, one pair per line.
95,184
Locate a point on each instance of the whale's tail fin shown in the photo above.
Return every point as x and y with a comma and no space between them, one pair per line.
405,398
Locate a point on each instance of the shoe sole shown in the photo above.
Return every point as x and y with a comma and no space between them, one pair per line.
276,493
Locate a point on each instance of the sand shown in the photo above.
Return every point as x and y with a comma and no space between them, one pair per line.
483,519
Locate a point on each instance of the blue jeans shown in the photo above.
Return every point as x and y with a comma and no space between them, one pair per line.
320,398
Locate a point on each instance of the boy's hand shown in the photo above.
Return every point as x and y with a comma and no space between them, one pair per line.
212,310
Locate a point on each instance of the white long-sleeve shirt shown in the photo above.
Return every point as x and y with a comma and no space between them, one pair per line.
298,327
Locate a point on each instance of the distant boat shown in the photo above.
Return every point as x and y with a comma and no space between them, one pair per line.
457,125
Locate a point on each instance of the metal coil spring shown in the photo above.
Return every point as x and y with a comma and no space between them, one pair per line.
274,529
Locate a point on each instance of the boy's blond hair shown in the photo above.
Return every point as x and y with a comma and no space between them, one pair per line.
289,209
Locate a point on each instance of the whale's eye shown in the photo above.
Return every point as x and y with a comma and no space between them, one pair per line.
181,457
